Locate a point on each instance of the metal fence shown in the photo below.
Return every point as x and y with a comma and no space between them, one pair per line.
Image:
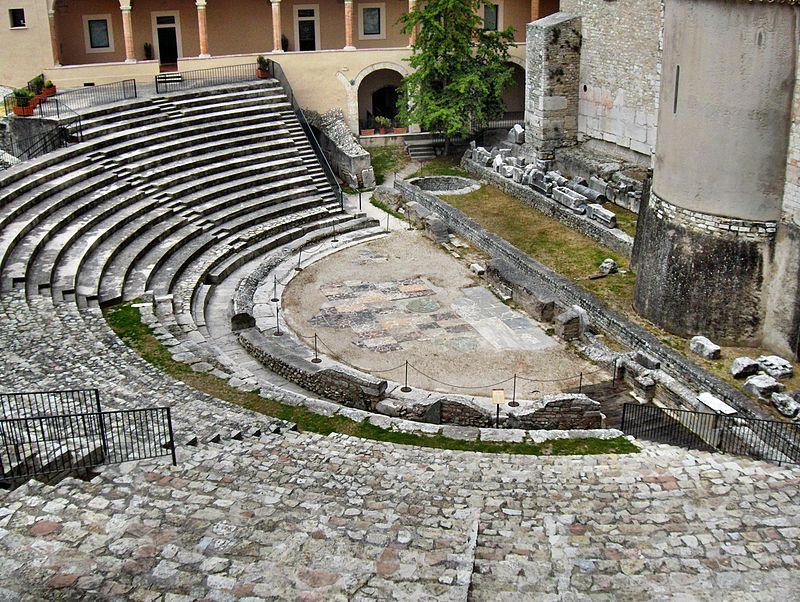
768,440
201,78
42,433
91,96
49,403
276,71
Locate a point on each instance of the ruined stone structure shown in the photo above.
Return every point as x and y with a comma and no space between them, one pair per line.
718,246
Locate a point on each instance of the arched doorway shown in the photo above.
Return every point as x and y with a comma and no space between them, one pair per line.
514,95
377,96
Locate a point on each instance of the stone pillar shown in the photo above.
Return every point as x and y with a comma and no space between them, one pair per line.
202,28
551,84
348,25
276,26
412,37
127,30
54,43
705,250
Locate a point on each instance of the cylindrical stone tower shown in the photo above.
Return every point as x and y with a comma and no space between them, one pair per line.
706,237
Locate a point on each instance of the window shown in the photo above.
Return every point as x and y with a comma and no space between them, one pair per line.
372,21
491,17
98,34
16,18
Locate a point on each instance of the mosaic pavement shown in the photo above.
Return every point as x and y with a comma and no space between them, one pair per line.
384,315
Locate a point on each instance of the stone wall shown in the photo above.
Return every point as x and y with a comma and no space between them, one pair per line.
620,70
348,389
567,293
347,157
551,84
614,238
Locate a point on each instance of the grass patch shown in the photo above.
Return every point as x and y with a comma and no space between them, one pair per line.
384,207
387,159
626,220
124,320
441,166
555,245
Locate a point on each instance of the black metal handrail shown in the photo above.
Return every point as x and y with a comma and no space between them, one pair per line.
277,72
768,440
68,128
63,443
49,403
201,78
90,96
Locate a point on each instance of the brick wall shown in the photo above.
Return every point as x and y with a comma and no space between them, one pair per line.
620,68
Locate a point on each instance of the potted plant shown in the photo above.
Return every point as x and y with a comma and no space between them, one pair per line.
49,88
383,123
23,102
37,84
262,69
284,43
400,127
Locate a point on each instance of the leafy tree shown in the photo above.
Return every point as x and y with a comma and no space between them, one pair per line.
460,68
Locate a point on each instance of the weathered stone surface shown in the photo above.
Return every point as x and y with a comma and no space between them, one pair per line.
368,178
516,135
703,347
608,266
763,386
570,324
775,366
742,367
436,229
570,199
786,405
388,196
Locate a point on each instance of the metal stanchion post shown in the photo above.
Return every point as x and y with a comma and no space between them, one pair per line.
614,376
334,239
580,382
514,403
359,199
316,359
406,388
299,258
275,290
387,221
277,332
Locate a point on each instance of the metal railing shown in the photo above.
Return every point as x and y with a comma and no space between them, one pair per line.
90,96
201,78
768,440
49,403
276,72
44,445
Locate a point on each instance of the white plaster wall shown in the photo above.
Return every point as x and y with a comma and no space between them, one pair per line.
620,70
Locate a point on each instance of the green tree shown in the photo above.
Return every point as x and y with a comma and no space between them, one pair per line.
460,69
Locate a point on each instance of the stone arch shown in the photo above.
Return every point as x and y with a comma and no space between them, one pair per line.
352,85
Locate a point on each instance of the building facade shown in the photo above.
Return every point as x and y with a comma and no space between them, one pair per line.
347,54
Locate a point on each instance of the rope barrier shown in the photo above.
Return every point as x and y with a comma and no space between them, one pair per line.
405,364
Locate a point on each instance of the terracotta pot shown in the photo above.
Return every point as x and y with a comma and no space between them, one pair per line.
40,98
382,130
368,132
24,111
262,73
51,91
400,130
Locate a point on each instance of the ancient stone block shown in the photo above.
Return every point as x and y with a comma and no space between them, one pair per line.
786,405
349,179
516,135
570,324
436,229
368,178
507,171
497,163
389,196
763,386
556,178
742,367
540,182
609,266
477,268
704,348
601,215
775,366
516,174
574,201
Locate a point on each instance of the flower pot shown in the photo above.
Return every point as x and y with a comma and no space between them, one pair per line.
42,97
368,132
401,130
51,91
262,73
382,130
24,111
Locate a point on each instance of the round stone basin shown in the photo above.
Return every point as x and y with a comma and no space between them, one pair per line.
443,185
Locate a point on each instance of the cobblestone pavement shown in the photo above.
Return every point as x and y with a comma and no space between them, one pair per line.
306,517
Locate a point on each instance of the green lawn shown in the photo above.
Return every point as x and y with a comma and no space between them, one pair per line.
124,320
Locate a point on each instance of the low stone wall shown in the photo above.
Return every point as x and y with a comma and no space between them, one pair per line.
566,293
348,389
613,238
